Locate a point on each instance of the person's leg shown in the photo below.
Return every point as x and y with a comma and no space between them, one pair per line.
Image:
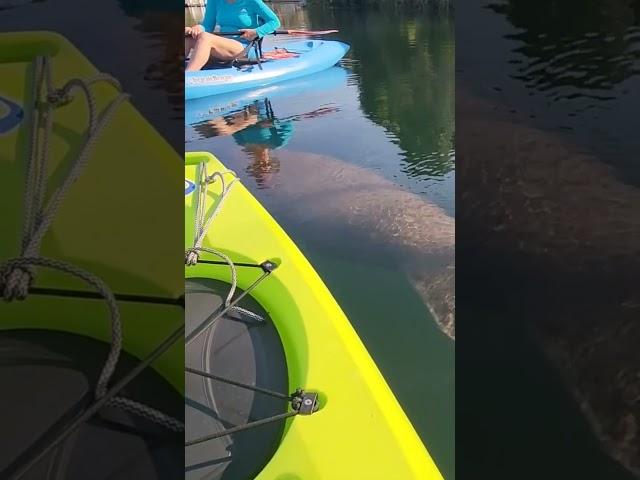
209,45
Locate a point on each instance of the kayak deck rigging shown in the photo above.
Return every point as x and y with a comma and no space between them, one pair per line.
229,311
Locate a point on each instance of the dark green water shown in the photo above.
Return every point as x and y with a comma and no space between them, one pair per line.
569,72
139,50
392,114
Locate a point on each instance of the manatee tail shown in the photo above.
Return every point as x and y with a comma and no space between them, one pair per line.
437,290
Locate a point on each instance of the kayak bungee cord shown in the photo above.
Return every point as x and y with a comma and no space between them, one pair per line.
17,275
232,306
240,428
212,376
202,225
302,402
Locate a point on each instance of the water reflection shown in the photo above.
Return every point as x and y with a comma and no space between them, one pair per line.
160,20
7,4
141,47
576,66
558,228
574,49
403,66
254,118
364,182
258,132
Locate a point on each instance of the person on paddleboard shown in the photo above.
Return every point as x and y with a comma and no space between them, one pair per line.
252,18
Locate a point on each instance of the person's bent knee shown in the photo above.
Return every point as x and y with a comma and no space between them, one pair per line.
206,38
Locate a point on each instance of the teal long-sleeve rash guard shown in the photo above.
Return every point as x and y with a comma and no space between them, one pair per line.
240,14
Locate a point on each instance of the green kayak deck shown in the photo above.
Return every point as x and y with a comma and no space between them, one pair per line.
109,224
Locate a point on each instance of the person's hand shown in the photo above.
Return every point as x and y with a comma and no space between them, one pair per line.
187,31
195,30
248,33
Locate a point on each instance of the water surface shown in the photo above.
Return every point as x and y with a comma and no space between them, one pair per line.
556,84
388,108
138,51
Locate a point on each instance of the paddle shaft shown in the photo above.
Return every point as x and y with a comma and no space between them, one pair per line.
278,32
284,32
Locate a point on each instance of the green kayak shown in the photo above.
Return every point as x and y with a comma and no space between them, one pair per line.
86,272
279,385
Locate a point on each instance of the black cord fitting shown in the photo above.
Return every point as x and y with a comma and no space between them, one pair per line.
268,266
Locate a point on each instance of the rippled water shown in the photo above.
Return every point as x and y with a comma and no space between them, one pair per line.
383,120
401,103
142,54
571,67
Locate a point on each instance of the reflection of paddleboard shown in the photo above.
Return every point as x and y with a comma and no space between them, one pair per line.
11,115
311,56
208,108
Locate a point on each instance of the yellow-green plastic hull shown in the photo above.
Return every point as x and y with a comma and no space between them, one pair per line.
360,431
112,222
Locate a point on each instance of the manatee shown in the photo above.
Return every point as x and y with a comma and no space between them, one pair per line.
333,198
569,221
